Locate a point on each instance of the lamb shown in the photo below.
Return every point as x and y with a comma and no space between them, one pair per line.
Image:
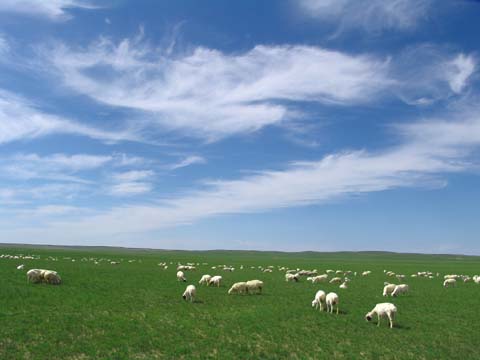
254,286
215,280
205,279
291,277
181,276
238,288
366,273
319,300
344,285
190,293
336,280
388,289
383,309
20,267
331,300
449,282
400,289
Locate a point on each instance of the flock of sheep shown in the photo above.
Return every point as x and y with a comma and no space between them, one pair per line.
321,301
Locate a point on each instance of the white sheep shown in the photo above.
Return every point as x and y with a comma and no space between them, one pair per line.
343,285
190,293
449,282
254,286
319,278
205,279
215,280
388,289
181,276
383,309
34,275
400,289
319,300
20,267
238,288
331,299
366,273
291,277
52,277
336,280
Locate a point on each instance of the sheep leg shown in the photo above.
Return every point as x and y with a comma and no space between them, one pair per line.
337,309
378,320
391,321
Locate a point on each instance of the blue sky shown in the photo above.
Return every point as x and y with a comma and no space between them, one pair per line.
284,125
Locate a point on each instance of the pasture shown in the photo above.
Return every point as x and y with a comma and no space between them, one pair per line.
134,310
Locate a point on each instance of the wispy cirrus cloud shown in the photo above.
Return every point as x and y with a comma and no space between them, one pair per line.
369,15
210,94
50,9
134,182
20,120
189,160
428,151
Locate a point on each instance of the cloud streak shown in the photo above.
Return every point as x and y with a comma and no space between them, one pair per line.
369,15
210,94
430,149
50,9
21,120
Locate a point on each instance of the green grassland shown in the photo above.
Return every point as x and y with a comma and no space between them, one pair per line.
134,310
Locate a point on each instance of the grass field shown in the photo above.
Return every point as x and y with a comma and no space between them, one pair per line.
134,310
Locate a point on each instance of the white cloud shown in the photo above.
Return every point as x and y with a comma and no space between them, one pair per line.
52,9
56,167
211,94
430,149
133,175
370,15
189,160
131,188
131,183
459,71
21,120
428,73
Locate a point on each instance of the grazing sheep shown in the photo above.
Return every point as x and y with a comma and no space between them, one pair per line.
400,289
34,276
291,277
388,289
238,288
254,286
319,278
20,267
383,309
190,293
181,276
336,280
52,277
215,280
319,300
449,282
476,279
205,279
331,300
366,273
343,285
